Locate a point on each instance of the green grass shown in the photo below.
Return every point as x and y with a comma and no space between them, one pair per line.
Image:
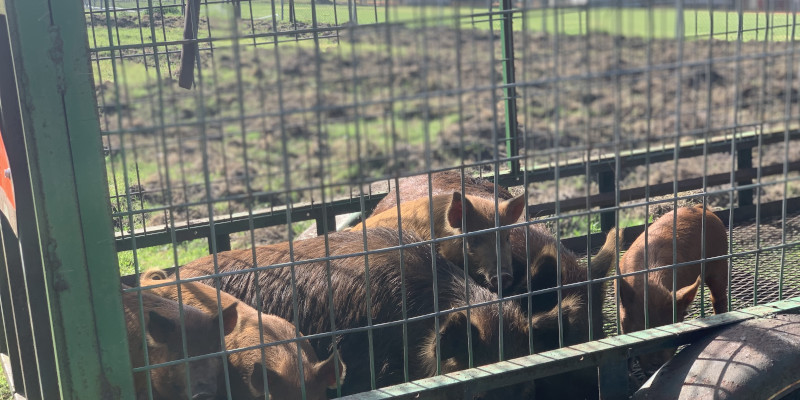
161,256
662,23
300,226
5,390
632,22
138,78
328,14
578,226
635,22
656,23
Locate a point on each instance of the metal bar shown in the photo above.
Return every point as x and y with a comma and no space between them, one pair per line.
160,235
189,49
223,242
632,158
744,160
613,376
571,358
607,185
27,376
770,209
608,199
68,184
32,320
509,79
237,8
321,223
11,336
240,222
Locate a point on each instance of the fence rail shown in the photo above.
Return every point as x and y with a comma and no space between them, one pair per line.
743,143
602,353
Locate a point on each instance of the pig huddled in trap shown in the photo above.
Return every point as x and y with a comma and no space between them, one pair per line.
282,361
535,253
164,341
343,293
681,236
452,214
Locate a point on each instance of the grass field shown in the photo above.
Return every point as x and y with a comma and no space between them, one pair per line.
139,78
640,22
5,390
632,22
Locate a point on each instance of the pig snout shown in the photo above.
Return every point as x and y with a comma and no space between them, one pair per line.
506,280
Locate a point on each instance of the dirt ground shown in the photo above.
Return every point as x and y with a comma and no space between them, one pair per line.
271,127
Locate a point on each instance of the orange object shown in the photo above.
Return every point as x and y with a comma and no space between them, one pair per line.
6,185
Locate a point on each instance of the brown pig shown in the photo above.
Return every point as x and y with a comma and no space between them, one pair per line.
534,251
659,250
165,343
447,211
245,367
402,283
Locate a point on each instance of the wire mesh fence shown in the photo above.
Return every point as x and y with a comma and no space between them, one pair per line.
323,103
513,138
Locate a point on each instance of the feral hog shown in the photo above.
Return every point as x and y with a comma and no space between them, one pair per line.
245,367
398,289
164,344
479,213
659,252
534,252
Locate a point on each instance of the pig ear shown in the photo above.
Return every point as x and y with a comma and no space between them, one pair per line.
684,296
160,327
454,211
154,274
511,210
326,371
453,336
230,316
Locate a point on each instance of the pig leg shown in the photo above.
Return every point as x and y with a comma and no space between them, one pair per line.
717,281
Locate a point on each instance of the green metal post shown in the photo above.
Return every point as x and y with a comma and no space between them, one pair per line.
14,366
26,283
68,182
509,92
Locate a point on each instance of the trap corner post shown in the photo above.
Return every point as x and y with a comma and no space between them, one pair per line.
510,91
67,181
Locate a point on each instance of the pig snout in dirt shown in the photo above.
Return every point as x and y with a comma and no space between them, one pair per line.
657,247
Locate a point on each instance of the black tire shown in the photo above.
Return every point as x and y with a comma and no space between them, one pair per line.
755,359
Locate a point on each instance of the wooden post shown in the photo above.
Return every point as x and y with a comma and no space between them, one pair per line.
189,50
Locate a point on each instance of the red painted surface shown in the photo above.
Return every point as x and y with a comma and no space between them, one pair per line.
6,186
